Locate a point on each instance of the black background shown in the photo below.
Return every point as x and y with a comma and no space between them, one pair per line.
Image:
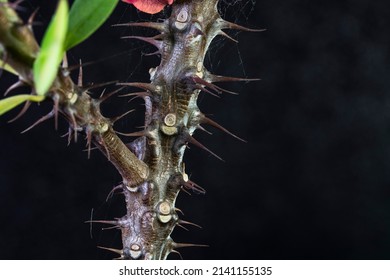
313,181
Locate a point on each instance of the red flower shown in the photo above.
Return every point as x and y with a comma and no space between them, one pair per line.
149,6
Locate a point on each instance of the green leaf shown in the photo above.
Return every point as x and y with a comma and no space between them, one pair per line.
7,67
85,17
11,102
52,50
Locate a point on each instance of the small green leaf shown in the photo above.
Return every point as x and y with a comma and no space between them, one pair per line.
85,17
13,101
52,50
7,67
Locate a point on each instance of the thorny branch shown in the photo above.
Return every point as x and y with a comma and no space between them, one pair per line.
19,49
152,165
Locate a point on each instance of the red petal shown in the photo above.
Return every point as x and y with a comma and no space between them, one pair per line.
149,6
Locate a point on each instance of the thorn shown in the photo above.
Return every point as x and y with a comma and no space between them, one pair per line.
151,40
14,86
183,227
177,252
70,131
153,53
141,94
103,92
64,135
230,25
31,18
89,140
16,6
134,134
56,100
193,186
203,129
217,79
154,25
113,120
90,226
74,124
108,95
184,190
116,223
188,223
111,193
206,90
80,78
200,81
44,118
77,66
117,251
208,121
85,150
211,86
184,245
145,86
179,210
113,227
22,112
65,61
227,36
195,142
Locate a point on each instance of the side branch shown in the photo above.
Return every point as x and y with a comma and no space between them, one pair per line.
18,48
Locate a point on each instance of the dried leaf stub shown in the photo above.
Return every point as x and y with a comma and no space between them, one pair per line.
149,6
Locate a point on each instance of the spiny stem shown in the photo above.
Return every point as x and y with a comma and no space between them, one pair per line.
152,168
